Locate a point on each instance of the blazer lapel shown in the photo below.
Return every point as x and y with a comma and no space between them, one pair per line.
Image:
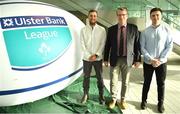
128,32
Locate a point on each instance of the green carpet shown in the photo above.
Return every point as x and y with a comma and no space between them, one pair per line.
67,101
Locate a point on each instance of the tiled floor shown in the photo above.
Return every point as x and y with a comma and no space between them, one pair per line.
172,91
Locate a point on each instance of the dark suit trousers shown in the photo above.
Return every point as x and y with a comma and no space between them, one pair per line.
160,79
87,67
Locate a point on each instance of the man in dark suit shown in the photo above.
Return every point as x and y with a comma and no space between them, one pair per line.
123,47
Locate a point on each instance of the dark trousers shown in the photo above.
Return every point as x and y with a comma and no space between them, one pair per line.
87,67
160,80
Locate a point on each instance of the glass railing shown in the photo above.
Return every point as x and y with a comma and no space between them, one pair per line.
171,22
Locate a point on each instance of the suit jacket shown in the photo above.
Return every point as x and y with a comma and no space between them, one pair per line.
133,45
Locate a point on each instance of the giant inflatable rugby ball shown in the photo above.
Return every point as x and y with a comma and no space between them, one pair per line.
39,51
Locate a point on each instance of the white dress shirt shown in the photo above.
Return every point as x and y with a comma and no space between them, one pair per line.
93,41
156,42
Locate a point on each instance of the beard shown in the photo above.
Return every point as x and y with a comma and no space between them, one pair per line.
92,23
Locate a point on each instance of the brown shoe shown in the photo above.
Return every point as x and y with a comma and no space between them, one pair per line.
122,105
84,98
112,104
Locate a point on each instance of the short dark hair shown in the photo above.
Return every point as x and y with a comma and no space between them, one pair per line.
121,8
155,9
92,10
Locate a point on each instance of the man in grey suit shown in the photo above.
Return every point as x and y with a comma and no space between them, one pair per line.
123,47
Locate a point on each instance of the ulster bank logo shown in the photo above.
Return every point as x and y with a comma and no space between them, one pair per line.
27,21
7,22
35,41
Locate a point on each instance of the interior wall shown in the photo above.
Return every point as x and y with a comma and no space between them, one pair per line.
140,22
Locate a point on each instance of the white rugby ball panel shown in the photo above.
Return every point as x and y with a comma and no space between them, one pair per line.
40,51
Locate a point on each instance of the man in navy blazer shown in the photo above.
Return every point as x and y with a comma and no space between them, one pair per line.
123,48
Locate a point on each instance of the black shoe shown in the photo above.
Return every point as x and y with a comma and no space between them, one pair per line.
143,105
102,100
161,108
84,98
